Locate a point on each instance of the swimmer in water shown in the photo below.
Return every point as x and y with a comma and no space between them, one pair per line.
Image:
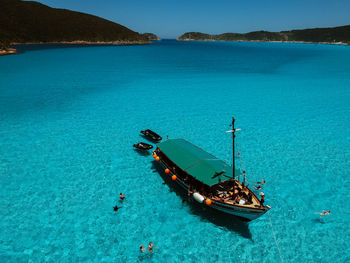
115,208
150,247
262,182
259,187
324,213
142,249
121,196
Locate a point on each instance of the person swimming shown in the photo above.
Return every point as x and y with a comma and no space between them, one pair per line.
150,247
262,182
259,187
115,208
121,196
142,249
324,213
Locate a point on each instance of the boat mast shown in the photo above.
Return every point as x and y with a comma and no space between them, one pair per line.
233,146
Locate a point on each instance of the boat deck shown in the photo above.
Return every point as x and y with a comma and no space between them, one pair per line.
228,197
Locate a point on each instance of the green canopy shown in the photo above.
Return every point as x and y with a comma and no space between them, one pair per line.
196,162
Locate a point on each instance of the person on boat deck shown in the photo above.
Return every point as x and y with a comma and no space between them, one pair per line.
262,195
121,196
250,198
244,186
244,196
189,190
142,249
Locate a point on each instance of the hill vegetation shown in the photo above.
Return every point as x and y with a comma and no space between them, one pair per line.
151,36
317,35
33,22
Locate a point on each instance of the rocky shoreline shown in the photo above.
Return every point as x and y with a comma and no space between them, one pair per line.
267,41
12,51
9,51
83,42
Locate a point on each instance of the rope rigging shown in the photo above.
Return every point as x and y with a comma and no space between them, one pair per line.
240,160
273,232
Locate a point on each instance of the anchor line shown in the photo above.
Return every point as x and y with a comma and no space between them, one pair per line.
273,232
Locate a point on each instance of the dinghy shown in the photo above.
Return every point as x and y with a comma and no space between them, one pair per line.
143,146
151,135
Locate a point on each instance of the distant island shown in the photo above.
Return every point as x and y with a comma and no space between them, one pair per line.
151,36
333,35
24,22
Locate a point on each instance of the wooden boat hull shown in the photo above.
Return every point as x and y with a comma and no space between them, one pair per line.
151,135
244,213
142,146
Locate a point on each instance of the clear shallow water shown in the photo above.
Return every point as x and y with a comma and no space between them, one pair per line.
69,116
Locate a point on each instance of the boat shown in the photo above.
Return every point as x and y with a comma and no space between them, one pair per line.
143,146
209,180
152,135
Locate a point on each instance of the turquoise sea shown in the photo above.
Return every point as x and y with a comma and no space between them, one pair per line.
69,117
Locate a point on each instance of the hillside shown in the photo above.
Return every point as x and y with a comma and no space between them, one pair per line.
317,35
33,22
151,36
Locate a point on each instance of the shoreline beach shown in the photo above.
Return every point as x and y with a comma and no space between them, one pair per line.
12,51
296,42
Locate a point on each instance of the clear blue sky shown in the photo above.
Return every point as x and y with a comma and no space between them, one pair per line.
171,18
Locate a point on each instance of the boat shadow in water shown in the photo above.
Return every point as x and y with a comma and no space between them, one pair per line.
142,152
220,219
